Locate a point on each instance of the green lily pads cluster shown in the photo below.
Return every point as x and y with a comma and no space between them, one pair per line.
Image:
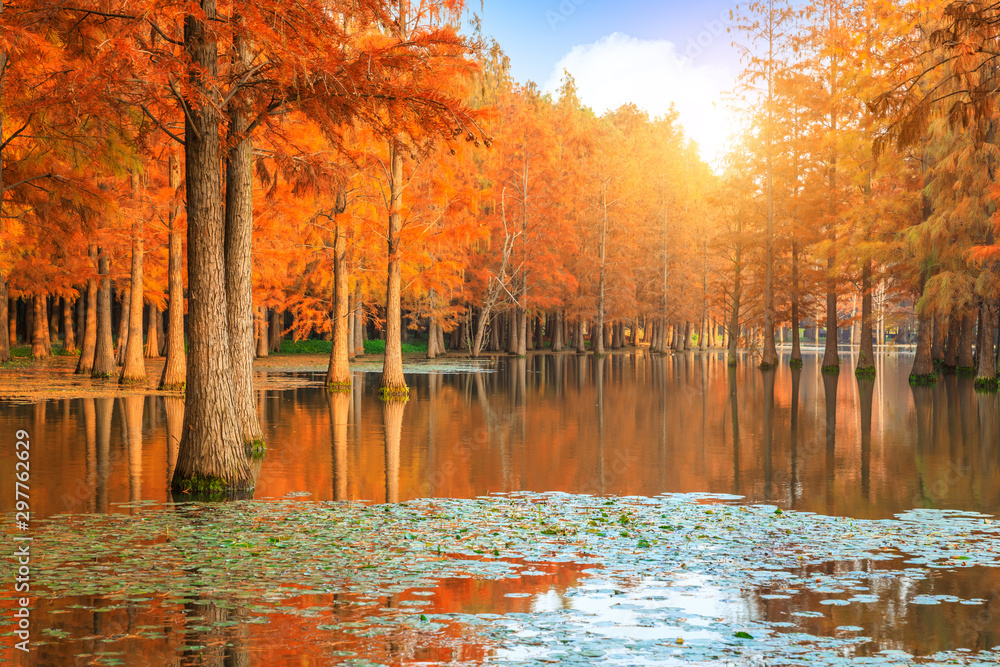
663,578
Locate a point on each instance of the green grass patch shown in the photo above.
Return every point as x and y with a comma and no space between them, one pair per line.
378,347
924,380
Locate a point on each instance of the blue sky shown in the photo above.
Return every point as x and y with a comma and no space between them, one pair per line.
649,53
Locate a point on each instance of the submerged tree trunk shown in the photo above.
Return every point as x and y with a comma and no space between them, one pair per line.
953,343
923,363
866,353
123,327
104,351
211,455
175,368
986,374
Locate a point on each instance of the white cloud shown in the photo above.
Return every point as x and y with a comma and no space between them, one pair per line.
618,69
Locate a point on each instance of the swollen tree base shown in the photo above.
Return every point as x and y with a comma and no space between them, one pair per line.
765,366
392,393
795,363
923,379
339,387
987,385
832,369
965,372
865,371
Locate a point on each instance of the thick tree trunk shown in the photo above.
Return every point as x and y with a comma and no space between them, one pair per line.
986,374
238,249
557,331
350,327
923,363
134,370
937,347
432,340
965,359
39,321
175,369
338,373
277,331
734,332
866,353
211,454
953,343
104,351
52,308
69,335
393,383
579,342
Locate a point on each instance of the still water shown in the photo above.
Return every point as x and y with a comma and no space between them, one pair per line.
631,424
625,425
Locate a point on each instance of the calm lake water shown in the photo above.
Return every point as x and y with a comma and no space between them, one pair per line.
631,424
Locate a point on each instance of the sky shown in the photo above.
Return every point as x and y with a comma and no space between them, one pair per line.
649,53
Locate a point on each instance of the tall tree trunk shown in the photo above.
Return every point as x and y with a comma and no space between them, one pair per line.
937,347
5,340
123,326
986,374
52,308
175,369
262,337
557,331
359,323
39,321
152,350
238,249
104,351
923,363
69,335
432,340
831,357
134,370
734,318
277,328
12,321
338,373
393,383
578,341
211,452
965,358
953,343
866,353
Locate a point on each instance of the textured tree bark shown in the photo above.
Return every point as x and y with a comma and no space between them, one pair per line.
123,326
104,353
134,370
152,350
965,359
866,353
211,455
831,357
432,339
923,363
557,331
986,374
359,324
393,383
350,327
69,335
5,339
52,308
953,343
338,372
937,347
277,328
238,250
174,373
262,337
578,341
39,334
